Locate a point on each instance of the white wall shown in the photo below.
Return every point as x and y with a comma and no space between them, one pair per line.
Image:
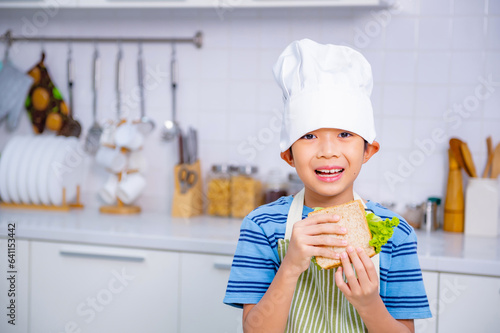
426,58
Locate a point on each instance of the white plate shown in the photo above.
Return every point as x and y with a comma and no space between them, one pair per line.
43,170
42,142
4,161
62,170
22,170
13,167
75,159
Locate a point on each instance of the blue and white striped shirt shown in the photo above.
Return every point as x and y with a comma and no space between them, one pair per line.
256,261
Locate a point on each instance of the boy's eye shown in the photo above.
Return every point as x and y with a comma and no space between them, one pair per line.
345,135
308,136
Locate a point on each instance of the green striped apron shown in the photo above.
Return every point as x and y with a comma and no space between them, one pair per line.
318,305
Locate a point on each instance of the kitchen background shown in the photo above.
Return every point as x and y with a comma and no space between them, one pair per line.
430,61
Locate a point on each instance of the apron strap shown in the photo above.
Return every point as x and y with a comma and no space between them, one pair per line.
295,215
295,212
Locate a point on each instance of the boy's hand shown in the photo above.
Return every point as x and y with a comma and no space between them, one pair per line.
362,291
308,238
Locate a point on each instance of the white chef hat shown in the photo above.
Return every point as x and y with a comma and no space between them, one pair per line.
324,86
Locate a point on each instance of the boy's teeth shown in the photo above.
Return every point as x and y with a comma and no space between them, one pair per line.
330,171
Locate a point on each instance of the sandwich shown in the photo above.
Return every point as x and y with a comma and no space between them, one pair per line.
364,229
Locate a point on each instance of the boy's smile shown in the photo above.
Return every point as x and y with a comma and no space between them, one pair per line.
329,173
328,161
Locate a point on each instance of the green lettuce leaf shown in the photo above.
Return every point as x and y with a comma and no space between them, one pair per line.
381,230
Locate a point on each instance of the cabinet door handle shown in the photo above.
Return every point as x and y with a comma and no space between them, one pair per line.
97,255
222,265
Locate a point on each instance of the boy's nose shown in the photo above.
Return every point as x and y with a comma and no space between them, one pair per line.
328,148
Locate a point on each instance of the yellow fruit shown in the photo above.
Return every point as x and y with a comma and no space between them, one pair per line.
54,121
64,108
35,74
40,98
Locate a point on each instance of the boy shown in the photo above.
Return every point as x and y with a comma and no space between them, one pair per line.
327,134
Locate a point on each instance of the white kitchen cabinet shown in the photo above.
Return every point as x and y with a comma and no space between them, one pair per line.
204,280
468,303
18,293
431,282
81,288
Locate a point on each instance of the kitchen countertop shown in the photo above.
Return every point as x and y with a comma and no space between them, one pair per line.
438,251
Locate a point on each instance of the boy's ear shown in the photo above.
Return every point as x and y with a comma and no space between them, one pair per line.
371,149
287,157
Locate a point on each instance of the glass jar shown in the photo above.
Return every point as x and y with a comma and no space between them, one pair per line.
219,191
246,191
275,186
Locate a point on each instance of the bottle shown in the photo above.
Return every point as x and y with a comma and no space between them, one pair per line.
294,184
431,207
246,191
219,190
275,186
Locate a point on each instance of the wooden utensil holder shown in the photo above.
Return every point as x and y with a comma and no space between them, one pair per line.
454,203
190,203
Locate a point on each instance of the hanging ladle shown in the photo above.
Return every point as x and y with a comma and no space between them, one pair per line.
95,132
145,125
171,127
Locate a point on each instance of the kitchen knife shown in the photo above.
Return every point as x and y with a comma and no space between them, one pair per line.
185,141
195,144
181,147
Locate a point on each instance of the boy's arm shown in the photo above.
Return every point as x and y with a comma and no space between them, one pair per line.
361,290
270,314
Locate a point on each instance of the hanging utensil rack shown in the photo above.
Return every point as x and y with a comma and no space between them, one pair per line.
197,40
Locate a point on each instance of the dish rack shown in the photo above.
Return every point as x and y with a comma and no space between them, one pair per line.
64,207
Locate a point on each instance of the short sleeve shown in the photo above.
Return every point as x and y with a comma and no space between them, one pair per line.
254,266
402,287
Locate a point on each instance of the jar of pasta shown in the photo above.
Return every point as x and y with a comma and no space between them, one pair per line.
219,190
246,191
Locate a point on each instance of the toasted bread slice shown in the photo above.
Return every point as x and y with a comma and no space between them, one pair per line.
352,217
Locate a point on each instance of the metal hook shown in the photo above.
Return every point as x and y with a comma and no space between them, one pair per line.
42,46
70,49
173,49
8,44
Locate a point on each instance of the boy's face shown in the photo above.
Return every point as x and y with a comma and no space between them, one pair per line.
328,161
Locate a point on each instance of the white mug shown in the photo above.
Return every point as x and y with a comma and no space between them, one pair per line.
130,187
127,135
110,158
108,135
108,191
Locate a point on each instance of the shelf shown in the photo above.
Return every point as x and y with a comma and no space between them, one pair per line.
216,4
